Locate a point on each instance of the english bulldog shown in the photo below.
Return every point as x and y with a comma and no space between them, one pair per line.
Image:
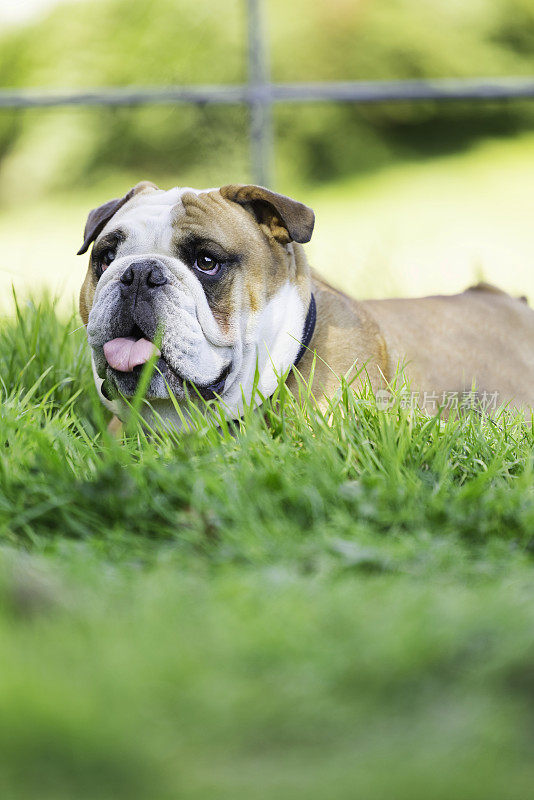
216,286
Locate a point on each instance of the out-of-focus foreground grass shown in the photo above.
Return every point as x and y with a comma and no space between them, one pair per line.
196,682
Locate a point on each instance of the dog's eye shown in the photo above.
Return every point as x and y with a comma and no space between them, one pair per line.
206,263
107,257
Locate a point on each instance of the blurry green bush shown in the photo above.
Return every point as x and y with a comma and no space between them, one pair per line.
121,42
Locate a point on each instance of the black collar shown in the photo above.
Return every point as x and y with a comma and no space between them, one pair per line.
309,327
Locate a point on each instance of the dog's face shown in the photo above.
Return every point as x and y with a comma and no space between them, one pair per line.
213,276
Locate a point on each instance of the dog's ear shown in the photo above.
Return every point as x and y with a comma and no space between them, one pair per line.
99,217
286,219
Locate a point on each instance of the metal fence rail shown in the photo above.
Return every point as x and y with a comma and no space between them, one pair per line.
268,93
259,94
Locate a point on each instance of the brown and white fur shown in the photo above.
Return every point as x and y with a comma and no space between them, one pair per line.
250,315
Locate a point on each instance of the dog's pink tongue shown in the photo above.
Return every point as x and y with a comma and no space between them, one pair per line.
125,353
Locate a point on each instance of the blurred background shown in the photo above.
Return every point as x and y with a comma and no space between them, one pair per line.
410,197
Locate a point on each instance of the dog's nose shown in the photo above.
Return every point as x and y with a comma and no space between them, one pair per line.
142,277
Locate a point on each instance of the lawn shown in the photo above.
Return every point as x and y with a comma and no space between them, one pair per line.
305,607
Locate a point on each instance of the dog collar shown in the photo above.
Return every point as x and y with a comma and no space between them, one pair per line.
309,327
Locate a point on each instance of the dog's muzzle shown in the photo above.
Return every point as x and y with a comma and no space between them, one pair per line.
137,328
139,284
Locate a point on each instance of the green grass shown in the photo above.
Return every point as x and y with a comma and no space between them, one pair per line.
310,607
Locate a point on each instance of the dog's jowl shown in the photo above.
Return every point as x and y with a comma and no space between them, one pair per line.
216,286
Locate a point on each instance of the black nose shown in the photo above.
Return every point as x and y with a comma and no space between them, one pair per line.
142,277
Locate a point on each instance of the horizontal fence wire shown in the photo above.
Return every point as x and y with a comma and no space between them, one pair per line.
483,89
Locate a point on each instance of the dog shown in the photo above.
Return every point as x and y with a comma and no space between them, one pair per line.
215,285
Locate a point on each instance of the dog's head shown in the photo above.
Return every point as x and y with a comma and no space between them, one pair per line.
213,276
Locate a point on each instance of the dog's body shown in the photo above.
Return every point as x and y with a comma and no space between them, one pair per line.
220,280
445,345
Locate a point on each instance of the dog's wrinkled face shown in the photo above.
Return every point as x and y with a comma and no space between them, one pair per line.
214,277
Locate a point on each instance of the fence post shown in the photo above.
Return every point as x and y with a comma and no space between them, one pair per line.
260,101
